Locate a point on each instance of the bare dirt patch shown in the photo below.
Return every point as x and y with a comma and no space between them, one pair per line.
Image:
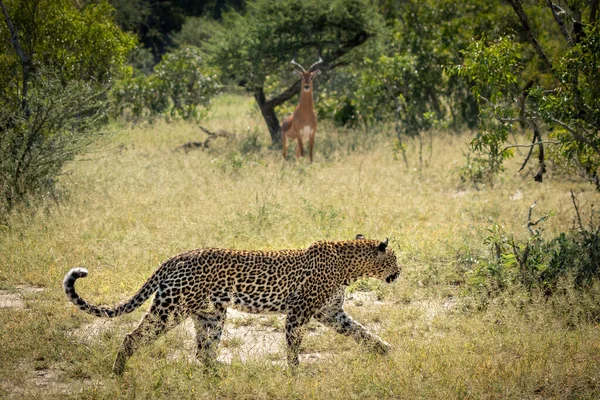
43,383
14,298
360,298
246,337
432,308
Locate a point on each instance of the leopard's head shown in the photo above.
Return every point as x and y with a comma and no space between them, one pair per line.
383,263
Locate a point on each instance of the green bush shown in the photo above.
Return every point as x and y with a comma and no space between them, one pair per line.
196,31
54,76
138,97
537,263
180,86
477,172
555,93
64,120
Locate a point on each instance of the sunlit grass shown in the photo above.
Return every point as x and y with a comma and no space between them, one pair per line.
137,201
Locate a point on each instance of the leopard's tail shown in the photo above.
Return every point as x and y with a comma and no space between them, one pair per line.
137,300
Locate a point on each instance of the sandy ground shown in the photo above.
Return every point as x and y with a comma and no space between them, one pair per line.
245,337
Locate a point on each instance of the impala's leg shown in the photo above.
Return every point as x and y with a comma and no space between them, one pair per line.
157,321
284,141
311,145
300,148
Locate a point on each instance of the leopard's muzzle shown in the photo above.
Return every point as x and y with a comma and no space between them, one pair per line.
392,277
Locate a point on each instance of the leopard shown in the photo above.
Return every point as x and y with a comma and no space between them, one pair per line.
201,284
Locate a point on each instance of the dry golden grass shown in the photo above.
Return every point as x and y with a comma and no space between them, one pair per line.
135,202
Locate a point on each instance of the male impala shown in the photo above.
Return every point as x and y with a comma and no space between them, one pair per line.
302,124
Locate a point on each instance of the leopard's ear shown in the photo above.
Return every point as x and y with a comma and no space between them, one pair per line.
383,245
360,237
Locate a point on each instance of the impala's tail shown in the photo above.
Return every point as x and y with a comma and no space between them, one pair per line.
137,300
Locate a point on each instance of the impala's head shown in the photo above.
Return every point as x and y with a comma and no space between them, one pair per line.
307,76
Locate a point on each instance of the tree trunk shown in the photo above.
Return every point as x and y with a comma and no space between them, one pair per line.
518,7
398,134
559,20
267,109
24,58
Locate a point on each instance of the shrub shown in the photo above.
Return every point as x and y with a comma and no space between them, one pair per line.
476,172
537,263
179,87
58,60
555,94
64,120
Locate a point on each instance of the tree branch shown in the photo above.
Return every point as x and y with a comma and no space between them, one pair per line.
534,232
206,144
356,41
284,96
574,200
528,154
14,35
397,108
578,136
578,32
522,101
25,60
558,17
533,144
518,7
536,133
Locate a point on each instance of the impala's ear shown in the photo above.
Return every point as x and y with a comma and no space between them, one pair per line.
298,72
360,237
316,72
383,245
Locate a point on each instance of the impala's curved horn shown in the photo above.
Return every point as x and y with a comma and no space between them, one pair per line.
319,61
298,65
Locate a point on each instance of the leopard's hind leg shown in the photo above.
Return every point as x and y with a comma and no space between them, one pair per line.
298,315
164,314
209,327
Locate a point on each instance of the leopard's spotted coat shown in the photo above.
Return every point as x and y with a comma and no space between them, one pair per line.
203,283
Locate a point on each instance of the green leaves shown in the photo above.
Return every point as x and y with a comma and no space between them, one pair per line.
255,49
399,85
265,39
536,262
511,86
81,44
183,77
64,120
493,67
53,101
181,85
